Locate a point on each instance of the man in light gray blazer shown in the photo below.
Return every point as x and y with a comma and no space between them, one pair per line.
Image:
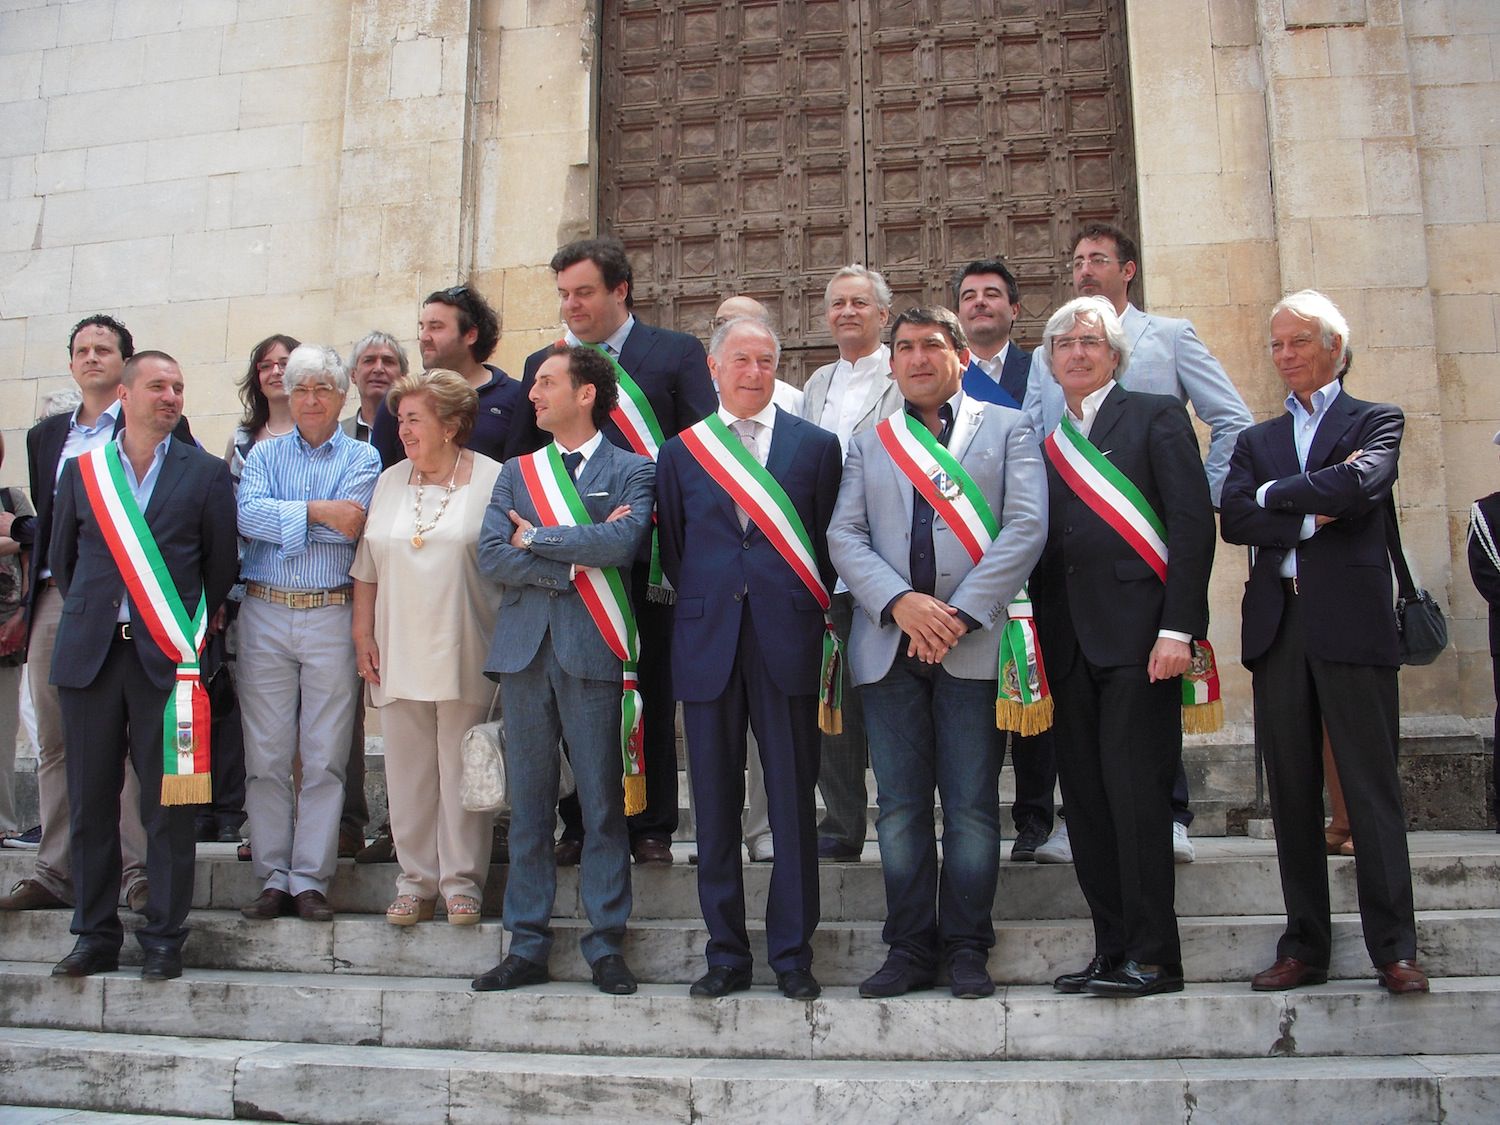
848,397
558,677
924,650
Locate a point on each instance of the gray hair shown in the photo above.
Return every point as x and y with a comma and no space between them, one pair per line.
1089,308
1309,304
378,339
310,362
740,323
883,297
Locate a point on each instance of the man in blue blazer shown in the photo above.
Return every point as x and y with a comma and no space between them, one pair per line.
594,281
1311,491
559,678
748,646
113,679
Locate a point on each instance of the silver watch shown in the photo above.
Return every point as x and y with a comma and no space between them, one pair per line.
527,536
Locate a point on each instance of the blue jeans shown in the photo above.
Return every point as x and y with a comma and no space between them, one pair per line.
930,731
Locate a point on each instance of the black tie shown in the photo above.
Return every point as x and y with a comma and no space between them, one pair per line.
571,461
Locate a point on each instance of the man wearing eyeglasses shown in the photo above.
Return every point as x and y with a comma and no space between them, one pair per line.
1166,358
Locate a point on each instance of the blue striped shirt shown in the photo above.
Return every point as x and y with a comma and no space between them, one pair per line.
281,475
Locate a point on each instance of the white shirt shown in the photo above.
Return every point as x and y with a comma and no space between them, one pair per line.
614,342
587,449
1304,429
994,365
849,387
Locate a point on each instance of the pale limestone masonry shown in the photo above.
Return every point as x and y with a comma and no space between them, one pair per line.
217,170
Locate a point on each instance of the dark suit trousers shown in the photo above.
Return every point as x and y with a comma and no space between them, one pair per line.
653,622
786,728
1296,694
1118,741
120,714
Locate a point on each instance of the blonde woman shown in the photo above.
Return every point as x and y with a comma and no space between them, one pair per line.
423,617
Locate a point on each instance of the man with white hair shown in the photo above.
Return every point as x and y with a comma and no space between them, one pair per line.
302,504
847,397
1311,491
376,362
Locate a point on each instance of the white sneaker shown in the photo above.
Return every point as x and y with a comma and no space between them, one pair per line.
761,850
1057,849
1182,847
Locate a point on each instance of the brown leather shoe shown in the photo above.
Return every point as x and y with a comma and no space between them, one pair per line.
648,849
271,904
313,907
137,897
1287,972
568,852
1400,977
28,894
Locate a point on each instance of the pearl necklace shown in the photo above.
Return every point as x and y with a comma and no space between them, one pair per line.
419,528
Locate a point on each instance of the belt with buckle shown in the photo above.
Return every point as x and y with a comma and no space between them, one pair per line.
122,632
1289,585
300,599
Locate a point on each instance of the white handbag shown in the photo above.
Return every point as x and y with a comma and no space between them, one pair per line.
485,786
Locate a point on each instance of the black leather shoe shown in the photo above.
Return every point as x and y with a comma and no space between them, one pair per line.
1135,979
161,964
311,906
513,972
85,961
720,980
1028,839
270,904
799,984
1074,982
969,976
896,977
612,976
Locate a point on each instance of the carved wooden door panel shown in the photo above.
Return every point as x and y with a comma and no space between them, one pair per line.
754,146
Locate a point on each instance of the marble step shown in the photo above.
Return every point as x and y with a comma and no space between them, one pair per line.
1342,1018
1233,875
40,1115
334,1083
1450,943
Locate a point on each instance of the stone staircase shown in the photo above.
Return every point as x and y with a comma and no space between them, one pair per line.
363,1021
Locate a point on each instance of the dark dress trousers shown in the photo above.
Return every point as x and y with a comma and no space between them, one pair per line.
1326,654
748,646
1099,607
1486,578
112,692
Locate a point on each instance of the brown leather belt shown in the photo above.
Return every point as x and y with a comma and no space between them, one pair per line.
300,599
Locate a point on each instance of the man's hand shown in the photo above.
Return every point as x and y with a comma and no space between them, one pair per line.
522,524
932,625
344,516
216,622
6,519
618,514
1168,658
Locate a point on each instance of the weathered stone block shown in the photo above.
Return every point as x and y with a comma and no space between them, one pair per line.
1378,250
1325,108
168,109
416,68
293,95
1465,322
1462,257
1323,13
1243,143
21,77
1457,115
117,275
22,127
1360,52
30,29
1320,178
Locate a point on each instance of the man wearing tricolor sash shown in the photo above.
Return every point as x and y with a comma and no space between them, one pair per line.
1121,595
143,552
664,387
562,529
745,497
941,515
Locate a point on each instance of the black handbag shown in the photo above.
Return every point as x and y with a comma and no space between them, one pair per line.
1419,619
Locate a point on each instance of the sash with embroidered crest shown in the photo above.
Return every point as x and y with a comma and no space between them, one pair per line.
603,591
186,777
1115,499
750,485
1023,701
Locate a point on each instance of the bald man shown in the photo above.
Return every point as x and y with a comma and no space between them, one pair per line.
783,394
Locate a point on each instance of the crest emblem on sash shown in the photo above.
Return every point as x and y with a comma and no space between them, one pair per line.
948,488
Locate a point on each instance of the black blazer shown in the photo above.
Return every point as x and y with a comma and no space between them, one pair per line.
670,367
1484,573
191,515
1344,570
1090,586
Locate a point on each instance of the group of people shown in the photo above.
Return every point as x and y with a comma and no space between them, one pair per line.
939,548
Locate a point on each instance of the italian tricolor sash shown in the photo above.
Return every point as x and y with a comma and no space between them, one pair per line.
1114,498
637,420
607,600
732,467
1023,702
186,778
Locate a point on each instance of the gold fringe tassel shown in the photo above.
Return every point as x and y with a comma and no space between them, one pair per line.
1203,718
830,718
189,789
635,794
1024,718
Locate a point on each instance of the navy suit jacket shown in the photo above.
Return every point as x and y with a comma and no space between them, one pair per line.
1011,390
1344,570
670,368
712,564
191,516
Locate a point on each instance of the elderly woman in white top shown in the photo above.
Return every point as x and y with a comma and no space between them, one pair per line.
423,617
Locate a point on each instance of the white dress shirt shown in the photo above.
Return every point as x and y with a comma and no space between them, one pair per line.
849,388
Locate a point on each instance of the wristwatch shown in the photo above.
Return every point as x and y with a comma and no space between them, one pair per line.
527,536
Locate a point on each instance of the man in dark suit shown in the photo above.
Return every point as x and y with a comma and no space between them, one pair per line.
558,661
748,645
988,302
670,370
1121,592
113,677
98,348
1310,491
